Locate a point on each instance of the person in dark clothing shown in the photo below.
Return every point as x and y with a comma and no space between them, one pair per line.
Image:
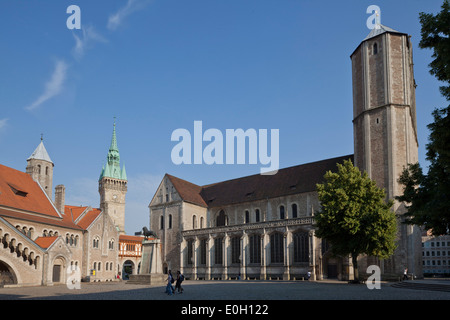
180,279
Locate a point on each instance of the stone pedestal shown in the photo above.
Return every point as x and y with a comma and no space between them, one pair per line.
151,272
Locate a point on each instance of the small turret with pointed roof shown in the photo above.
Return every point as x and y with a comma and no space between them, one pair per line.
40,168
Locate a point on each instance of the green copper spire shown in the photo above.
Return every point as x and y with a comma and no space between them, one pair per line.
112,168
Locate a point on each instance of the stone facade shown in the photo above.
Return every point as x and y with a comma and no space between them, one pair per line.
385,128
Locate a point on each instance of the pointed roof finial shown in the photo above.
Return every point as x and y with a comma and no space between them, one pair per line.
42,137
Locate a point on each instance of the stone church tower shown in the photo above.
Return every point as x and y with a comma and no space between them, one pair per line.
112,186
40,168
385,130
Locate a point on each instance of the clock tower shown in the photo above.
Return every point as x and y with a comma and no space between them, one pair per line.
112,186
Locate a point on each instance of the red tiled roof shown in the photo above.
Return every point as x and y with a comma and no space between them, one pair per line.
188,191
18,190
88,218
45,242
74,211
124,237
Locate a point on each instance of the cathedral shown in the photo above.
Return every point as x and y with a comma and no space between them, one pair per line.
262,227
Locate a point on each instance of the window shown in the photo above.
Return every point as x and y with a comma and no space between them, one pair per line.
301,247
281,212
257,216
218,250
247,216
276,248
194,222
221,219
161,222
375,48
235,249
294,210
255,248
203,251
170,221
190,252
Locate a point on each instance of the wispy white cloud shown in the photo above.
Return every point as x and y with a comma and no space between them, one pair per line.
53,87
84,42
116,19
3,123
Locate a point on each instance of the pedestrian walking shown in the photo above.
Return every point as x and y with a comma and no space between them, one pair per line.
169,288
180,279
405,274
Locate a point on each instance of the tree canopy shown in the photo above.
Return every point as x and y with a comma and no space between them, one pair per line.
428,195
355,217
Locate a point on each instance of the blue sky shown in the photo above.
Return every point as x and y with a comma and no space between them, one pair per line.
159,65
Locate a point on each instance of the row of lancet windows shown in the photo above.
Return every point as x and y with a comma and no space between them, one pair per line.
276,245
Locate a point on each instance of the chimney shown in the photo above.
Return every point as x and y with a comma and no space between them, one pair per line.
60,197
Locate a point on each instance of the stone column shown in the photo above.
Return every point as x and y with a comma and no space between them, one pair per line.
183,254
226,243
209,257
194,259
312,256
287,257
244,258
263,256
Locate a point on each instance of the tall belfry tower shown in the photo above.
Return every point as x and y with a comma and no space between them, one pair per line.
385,129
40,168
112,186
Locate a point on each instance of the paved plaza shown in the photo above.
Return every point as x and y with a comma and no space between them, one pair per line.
233,291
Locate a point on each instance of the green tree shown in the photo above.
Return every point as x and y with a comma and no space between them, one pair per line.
355,218
428,195
435,34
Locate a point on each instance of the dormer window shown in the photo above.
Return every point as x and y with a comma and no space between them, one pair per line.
17,190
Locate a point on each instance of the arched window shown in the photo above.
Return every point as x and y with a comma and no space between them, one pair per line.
46,171
375,48
257,215
282,215
301,247
294,210
255,248
161,222
276,248
247,216
235,249
194,222
221,219
201,222
170,221
39,168
218,251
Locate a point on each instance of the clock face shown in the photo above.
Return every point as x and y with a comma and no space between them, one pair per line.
115,197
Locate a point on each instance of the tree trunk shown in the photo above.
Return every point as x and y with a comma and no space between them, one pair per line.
355,268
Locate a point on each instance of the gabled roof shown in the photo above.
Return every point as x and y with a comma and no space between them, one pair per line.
40,153
293,180
45,242
18,190
188,191
88,217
